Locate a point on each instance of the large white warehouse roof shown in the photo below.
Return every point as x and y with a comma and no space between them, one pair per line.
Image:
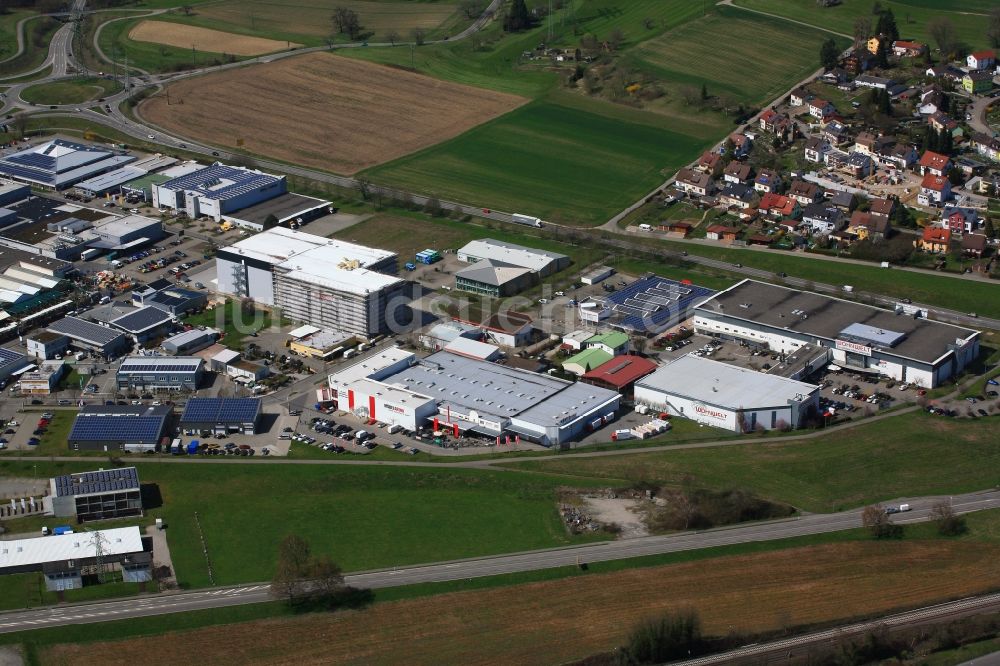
724,385
61,547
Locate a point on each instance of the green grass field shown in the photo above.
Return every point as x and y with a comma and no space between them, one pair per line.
691,55
37,35
912,16
910,454
69,92
28,591
8,31
564,164
234,325
363,517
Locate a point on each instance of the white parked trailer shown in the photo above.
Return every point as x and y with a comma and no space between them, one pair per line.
526,219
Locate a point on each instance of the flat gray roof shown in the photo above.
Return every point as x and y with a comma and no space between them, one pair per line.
723,385
499,390
808,313
80,329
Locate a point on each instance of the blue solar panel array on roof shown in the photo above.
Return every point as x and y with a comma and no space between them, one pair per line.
203,181
141,319
118,427
221,410
101,481
9,356
651,301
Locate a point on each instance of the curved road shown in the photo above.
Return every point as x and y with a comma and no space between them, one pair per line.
159,604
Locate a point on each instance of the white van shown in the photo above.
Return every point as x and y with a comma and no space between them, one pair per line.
394,428
646,227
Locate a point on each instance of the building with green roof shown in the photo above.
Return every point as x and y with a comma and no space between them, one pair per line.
614,343
587,360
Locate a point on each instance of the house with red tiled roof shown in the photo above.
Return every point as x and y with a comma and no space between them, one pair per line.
934,190
779,206
710,162
722,232
934,163
820,108
979,60
620,373
934,240
865,225
907,49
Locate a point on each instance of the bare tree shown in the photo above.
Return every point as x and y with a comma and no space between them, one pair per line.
875,519
419,35
187,9
472,8
292,571
20,124
862,30
347,22
393,37
948,523
942,31
616,39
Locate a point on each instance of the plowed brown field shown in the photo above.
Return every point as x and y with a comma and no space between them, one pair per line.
324,111
553,622
204,39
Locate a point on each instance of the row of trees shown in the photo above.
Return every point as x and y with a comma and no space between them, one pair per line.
876,521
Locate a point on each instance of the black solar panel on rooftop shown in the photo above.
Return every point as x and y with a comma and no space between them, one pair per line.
221,410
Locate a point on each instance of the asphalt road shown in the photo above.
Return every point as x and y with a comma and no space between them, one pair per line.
85,613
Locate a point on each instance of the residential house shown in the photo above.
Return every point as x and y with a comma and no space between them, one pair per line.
869,144
835,132
970,166
866,81
721,232
882,208
933,163
932,100
978,82
873,44
805,192
823,219
859,60
816,149
710,162
906,49
960,220
737,195
857,165
867,226
742,144
779,206
767,181
973,245
835,76
946,72
820,108
799,97
980,60
934,240
694,182
778,124
900,156
845,201
791,225
934,190
760,239
941,121
737,172
747,215
987,146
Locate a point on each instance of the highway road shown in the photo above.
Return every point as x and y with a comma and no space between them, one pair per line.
84,613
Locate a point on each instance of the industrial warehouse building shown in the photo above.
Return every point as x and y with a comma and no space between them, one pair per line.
160,373
124,233
42,381
59,163
727,396
471,396
11,362
134,428
620,373
13,192
188,342
144,324
64,558
100,495
103,341
222,415
504,269
312,342
288,210
325,282
46,344
164,295
649,305
217,190
857,337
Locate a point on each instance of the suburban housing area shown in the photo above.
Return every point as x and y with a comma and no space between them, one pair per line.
505,331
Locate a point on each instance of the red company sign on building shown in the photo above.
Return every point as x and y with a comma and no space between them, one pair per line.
711,413
854,347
